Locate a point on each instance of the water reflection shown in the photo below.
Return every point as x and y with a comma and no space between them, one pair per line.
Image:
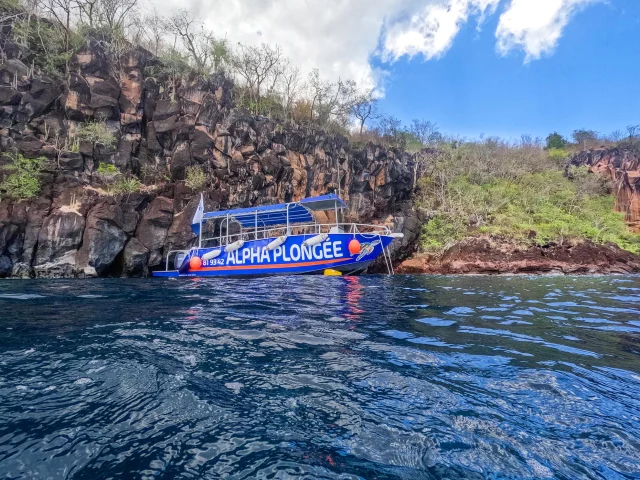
354,291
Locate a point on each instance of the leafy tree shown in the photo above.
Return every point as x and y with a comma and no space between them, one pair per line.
172,67
220,54
555,140
558,155
584,137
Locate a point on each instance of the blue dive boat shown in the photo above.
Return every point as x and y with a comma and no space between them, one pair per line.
284,239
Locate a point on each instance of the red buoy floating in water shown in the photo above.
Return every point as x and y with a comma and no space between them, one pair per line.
195,263
354,247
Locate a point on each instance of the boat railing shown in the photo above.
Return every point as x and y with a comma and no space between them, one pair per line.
274,232
249,234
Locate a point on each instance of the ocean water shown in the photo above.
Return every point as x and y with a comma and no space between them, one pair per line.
312,377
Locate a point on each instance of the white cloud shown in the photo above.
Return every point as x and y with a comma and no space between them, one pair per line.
432,30
340,36
336,36
535,26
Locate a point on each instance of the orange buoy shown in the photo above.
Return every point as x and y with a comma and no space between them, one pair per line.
354,247
195,263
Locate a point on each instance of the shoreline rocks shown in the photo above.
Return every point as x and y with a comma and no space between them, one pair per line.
485,256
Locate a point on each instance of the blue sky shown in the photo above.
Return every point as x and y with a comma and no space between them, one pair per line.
591,80
582,68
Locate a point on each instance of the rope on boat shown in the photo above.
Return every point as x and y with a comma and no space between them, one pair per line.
387,261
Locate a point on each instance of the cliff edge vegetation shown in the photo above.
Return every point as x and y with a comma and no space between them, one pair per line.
519,191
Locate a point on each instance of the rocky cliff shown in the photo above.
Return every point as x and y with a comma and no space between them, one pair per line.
76,228
622,166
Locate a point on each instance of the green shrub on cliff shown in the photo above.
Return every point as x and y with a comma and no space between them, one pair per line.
535,208
107,173
558,155
23,182
126,185
98,134
195,178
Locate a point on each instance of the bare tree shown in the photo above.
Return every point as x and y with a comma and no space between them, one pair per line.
257,66
391,128
154,31
616,136
290,86
331,100
427,132
194,38
633,132
117,14
61,12
365,108
89,12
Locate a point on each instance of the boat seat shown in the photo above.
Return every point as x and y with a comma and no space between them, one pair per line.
336,230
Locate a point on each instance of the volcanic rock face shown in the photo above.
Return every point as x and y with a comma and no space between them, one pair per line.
74,228
622,166
492,257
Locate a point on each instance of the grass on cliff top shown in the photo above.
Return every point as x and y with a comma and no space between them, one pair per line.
534,203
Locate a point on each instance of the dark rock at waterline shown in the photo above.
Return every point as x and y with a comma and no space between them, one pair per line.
6,266
490,256
136,259
152,230
103,239
60,234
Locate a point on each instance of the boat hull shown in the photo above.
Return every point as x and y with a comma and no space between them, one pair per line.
291,258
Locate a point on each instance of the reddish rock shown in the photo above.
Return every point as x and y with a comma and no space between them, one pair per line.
622,166
489,256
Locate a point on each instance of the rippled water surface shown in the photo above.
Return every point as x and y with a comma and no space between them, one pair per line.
313,377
